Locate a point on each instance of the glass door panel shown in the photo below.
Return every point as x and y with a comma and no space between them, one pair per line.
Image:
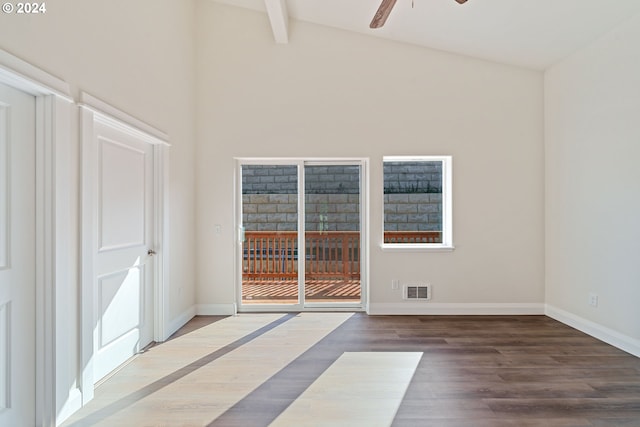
332,234
270,235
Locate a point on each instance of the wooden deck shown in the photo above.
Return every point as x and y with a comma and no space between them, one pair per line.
286,292
331,261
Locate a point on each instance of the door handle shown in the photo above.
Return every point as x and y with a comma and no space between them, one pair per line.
151,252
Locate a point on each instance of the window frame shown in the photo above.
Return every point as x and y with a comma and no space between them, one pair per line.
447,206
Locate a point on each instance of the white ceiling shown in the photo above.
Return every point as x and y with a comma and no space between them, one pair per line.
529,33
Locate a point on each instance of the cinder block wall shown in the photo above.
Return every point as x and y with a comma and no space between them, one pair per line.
333,198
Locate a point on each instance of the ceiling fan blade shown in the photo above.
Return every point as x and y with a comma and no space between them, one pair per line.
383,13
461,1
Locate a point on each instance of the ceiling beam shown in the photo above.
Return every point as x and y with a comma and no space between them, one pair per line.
277,11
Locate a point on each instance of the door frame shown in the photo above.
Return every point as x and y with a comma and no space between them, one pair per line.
94,111
301,162
53,183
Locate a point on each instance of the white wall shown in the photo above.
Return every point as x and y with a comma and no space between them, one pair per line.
139,57
334,93
592,117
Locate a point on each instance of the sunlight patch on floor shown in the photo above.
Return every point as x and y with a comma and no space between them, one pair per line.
358,389
183,387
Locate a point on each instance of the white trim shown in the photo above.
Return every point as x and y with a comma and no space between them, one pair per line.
5,369
45,259
300,163
415,247
161,291
63,245
5,171
71,405
87,264
53,137
429,308
317,161
302,231
238,234
610,336
117,119
216,310
332,309
181,320
365,230
447,207
21,75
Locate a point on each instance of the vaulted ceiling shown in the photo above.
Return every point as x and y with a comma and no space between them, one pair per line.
528,33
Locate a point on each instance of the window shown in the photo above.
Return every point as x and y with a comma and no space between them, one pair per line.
417,202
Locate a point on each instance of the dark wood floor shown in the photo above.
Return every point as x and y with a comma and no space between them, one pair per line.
476,371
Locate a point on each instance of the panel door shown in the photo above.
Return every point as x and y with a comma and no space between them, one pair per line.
17,258
123,265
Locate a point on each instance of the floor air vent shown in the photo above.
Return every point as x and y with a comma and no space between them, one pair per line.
417,292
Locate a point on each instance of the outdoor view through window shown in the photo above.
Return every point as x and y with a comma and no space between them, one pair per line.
416,199
281,266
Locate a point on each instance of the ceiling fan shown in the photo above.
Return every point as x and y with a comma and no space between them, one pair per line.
385,9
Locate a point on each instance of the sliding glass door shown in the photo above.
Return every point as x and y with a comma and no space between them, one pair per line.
332,234
300,242
270,234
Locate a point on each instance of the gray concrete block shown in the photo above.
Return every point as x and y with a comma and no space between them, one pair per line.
396,218
277,218
287,208
407,227
249,208
398,198
317,198
286,226
407,208
338,198
418,218
353,218
279,198
347,208
268,208
419,198
429,208
435,218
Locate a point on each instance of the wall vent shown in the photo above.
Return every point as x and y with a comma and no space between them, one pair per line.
417,292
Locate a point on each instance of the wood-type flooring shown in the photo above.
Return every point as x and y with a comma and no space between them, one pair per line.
470,371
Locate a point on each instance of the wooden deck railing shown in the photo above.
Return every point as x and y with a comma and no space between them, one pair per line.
413,237
332,255
272,256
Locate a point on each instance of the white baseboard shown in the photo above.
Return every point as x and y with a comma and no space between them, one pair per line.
216,309
616,339
181,320
428,308
72,404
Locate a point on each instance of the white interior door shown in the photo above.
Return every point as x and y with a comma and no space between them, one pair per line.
17,258
123,292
